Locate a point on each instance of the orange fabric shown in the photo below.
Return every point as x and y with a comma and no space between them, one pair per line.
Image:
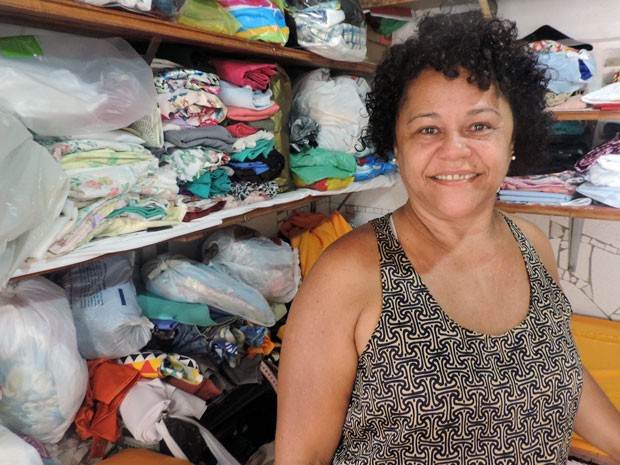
321,232
299,223
598,341
108,384
142,457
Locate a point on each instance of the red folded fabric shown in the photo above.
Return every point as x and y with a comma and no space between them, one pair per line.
606,106
246,114
241,130
245,73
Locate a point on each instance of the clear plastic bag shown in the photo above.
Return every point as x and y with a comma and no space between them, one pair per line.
244,254
105,308
16,451
34,190
42,374
61,84
209,15
334,29
568,71
259,19
177,278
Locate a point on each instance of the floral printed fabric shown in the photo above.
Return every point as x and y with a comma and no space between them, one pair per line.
195,107
189,164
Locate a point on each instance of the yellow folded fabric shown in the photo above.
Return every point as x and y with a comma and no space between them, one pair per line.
598,341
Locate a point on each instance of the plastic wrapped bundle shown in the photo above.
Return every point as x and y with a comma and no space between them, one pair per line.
177,278
269,267
42,374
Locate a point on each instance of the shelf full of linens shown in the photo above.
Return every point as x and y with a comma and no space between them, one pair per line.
286,201
79,18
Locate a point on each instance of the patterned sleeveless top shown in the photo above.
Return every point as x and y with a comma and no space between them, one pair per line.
428,391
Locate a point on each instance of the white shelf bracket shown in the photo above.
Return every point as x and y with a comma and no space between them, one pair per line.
575,228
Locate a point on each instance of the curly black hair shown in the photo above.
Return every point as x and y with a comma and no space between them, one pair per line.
491,54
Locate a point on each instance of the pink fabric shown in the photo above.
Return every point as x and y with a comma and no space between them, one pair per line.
245,114
241,130
562,183
245,73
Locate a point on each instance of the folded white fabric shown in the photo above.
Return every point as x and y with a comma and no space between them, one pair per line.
605,171
148,401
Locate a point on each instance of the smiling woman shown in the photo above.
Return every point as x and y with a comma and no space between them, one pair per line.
444,336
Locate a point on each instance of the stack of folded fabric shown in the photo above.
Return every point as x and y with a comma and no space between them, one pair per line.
555,188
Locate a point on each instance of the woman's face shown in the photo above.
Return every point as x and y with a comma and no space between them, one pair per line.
453,144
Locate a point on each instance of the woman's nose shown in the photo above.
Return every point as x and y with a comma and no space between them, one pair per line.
455,145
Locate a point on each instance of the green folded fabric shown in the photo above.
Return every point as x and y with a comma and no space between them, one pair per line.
158,308
319,163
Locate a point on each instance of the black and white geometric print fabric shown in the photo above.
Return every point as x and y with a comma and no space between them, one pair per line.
430,392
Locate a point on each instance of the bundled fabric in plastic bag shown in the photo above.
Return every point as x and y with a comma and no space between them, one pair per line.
17,451
42,374
269,267
567,69
61,84
334,29
175,277
259,19
337,106
209,15
105,309
34,190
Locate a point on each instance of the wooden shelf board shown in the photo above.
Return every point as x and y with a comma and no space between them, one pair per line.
75,17
196,235
588,212
585,114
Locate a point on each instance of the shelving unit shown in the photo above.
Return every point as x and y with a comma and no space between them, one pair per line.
74,17
79,18
576,215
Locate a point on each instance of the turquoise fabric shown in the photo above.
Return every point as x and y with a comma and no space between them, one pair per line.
210,184
319,163
158,308
263,147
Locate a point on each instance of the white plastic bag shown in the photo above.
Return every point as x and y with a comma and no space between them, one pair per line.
242,253
42,374
34,190
16,451
108,319
61,84
175,277
336,104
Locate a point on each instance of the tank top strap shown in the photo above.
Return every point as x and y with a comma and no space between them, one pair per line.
528,251
386,237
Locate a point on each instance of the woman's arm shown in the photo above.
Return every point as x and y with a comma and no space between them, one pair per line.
598,421
319,356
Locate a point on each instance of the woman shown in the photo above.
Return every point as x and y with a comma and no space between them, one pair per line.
438,334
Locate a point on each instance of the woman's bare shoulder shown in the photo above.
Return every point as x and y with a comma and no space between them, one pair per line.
353,254
540,241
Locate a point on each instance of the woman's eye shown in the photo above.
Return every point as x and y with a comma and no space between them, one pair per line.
428,131
477,127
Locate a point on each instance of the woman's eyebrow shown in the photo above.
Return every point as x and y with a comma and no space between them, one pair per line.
477,111
423,115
